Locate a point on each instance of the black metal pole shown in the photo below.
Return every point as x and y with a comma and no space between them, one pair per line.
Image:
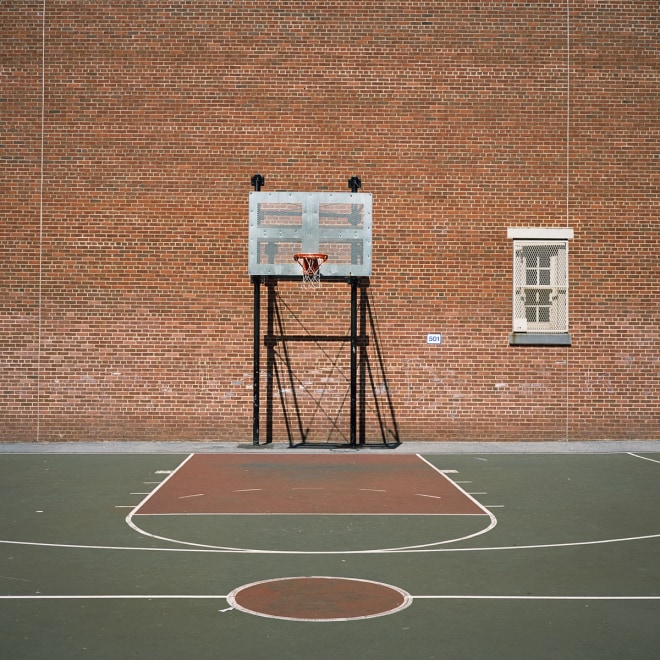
354,345
270,357
256,281
363,361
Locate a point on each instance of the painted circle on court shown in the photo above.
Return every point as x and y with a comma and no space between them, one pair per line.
319,598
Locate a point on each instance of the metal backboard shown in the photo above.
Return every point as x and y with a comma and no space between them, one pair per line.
286,223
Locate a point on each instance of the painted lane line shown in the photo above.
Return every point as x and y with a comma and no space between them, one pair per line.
435,497
125,548
475,597
373,490
135,514
113,597
185,497
540,546
451,481
644,458
434,546
415,549
170,474
294,514
228,609
247,490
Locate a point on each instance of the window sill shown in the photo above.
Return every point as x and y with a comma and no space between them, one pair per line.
540,339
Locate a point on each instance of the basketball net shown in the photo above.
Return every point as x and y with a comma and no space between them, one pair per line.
311,268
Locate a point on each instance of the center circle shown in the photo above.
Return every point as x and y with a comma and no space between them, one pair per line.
319,598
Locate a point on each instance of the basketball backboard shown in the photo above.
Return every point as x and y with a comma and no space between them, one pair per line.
283,224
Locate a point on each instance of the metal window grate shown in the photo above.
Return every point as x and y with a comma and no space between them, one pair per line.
540,286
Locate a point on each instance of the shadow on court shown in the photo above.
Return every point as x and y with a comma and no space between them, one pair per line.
362,555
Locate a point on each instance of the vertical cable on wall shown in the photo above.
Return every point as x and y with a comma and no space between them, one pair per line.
568,169
568,109
41,211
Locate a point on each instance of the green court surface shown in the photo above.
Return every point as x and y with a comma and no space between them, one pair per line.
559,561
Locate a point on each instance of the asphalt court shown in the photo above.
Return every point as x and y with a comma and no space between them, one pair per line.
559,558
310,503
386,484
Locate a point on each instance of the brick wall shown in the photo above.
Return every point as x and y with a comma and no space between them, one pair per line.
126,304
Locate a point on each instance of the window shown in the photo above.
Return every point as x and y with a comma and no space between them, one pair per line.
540,286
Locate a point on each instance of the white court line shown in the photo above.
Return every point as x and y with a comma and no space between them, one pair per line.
541,546
475,597
491,517
111,597
199,548
307,513
78,546
170,474
218,549
443,473
644,458
225,596
406,600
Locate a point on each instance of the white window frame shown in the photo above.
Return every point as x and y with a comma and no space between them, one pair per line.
546,321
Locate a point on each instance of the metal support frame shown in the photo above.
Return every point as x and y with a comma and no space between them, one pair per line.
358,338
359,365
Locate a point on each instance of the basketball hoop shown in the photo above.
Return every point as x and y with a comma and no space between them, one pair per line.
311,264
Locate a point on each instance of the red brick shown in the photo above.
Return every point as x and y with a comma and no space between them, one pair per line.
126,304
